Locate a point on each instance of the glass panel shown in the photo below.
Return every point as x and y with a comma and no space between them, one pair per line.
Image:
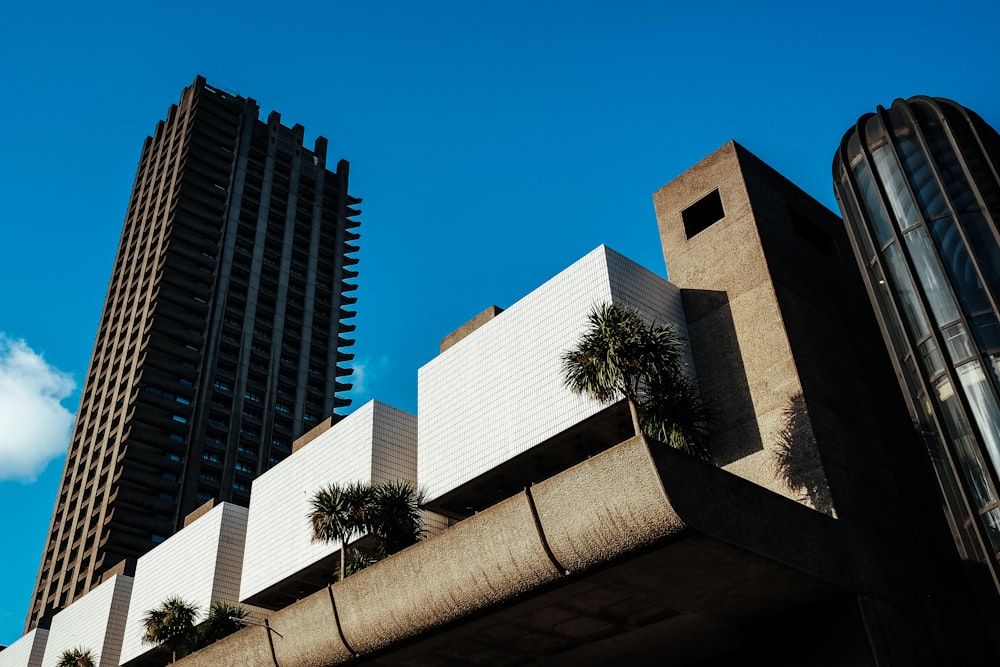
896,191
857,222
955,510
932,357
986,331
960,436
928,272
993,363
984,407
958,343
957,263
962,197
873,203
888,310
974,158
907,293
921,177
992,521
984,246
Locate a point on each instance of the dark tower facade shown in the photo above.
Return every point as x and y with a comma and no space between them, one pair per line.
221,338
919,189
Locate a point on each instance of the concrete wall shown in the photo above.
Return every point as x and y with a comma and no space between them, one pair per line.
201,564
95,622
375,443
746,366
499,391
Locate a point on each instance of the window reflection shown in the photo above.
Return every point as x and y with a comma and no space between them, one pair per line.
883,296
961,436
984,407
907,293
873,203
932,357
928,272
986,331
958,343
863,235
921,176
955,257
902,204
962,196
992,521
984,246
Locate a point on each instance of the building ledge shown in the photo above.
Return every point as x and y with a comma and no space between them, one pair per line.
635,549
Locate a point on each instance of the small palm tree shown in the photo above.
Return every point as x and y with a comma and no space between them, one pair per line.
340,513
395,515
620,356
223,619
170,625
76,657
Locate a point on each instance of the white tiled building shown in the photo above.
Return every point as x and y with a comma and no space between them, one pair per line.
200,564
95,622
375,443
499,391
26,651
491,396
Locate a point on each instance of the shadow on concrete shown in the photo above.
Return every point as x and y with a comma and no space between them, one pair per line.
797,459
733,430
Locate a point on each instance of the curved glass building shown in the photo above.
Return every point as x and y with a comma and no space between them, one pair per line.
919,190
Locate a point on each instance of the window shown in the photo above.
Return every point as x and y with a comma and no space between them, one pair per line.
703,214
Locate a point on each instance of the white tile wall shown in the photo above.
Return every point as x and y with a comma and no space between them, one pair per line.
376,442
200,564
95,622
499,391
26,651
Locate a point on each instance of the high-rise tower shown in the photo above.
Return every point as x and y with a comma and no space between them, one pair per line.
220,337
919,189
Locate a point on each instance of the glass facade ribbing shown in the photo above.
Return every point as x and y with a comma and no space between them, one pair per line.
919,190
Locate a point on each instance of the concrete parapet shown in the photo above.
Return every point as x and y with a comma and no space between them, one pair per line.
484,560
626,507
308,633
615,527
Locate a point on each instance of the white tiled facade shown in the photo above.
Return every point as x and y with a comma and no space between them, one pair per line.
95,622
499,391
26,651
200,564
375,443
491,396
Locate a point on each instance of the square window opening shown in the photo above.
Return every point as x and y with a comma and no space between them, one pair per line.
703,214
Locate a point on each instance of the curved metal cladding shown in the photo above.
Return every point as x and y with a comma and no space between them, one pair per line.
919,191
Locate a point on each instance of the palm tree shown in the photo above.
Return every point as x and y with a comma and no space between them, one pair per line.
223,619
76,657
340,513
395,515
620,356
170,625
389,512
358,560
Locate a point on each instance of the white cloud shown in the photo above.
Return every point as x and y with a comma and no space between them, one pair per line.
34,426
366,374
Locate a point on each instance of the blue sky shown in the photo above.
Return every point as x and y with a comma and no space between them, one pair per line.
493,144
